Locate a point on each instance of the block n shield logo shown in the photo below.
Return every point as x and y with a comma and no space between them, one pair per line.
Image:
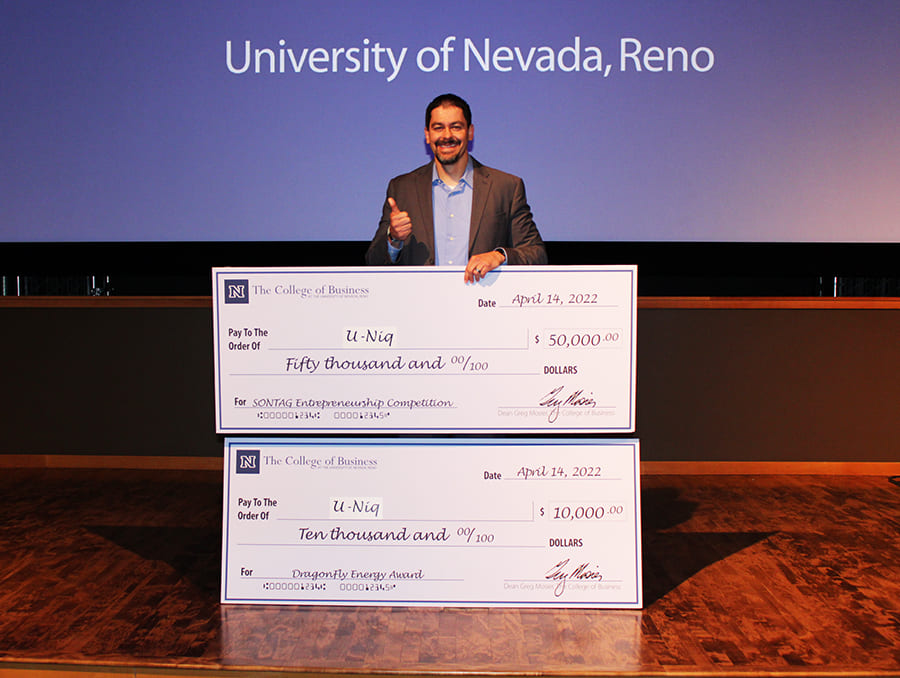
237,291
247,461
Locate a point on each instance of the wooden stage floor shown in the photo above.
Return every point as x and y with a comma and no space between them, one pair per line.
743,575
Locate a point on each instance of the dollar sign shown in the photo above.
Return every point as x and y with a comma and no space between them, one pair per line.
537,339
542,510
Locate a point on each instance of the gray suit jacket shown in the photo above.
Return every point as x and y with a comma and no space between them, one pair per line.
500,218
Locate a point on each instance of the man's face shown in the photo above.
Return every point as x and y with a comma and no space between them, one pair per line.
448,135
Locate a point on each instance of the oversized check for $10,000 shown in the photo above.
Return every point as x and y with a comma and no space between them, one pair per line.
415,350
432,521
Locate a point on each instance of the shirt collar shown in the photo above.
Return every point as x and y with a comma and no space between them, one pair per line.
465,179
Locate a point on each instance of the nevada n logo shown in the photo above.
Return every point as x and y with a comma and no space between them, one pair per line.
237,292
247,461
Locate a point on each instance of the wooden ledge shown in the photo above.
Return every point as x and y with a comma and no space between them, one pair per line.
159,463
106,302
841,303
102,461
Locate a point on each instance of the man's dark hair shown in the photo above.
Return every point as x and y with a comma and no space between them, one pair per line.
449,100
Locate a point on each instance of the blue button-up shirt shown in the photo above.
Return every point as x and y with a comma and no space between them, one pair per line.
452,214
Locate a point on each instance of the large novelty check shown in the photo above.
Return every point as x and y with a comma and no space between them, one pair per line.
415,350
537,523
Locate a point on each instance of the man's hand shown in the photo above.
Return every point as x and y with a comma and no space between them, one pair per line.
401,225
480,264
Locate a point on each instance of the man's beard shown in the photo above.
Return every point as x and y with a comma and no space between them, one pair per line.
449,160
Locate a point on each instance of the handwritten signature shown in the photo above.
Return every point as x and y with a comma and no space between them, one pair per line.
557,399
560,573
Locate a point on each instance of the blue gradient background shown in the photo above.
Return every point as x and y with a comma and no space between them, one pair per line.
121,121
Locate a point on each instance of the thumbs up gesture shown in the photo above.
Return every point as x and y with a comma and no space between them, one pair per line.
401,225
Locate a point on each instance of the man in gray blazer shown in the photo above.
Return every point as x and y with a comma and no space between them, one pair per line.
455,211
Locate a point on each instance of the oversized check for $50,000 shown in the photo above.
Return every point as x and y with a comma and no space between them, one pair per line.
415,350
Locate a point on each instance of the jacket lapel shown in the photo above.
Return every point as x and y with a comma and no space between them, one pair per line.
425,207
480,192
